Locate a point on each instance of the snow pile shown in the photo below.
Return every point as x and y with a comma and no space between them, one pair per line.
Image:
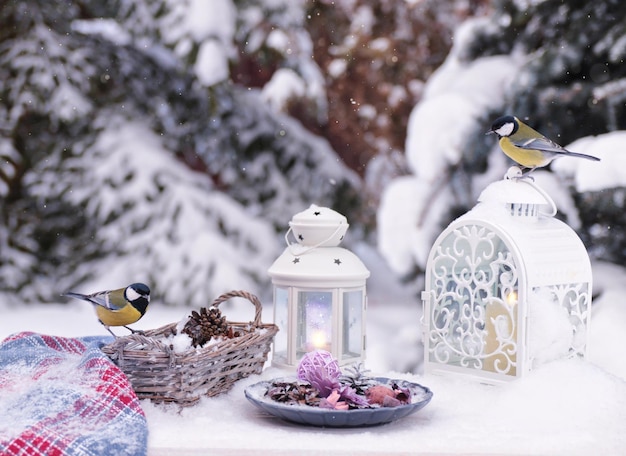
211,66
204,28
550,333
455,98
408,208
610,172
284,86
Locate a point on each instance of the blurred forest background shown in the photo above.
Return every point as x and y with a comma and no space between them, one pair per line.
171,141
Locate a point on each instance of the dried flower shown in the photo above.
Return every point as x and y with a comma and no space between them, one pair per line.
402,394
388,397
353,397
321,370
293,393
321,383
333,402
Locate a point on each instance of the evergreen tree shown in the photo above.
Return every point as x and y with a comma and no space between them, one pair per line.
557,64
120,162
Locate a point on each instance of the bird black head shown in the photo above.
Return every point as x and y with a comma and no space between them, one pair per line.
138,294
504,126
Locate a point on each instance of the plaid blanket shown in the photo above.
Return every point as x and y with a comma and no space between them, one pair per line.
61,396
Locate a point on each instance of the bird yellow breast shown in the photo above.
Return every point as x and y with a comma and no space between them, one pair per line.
529,158
125,316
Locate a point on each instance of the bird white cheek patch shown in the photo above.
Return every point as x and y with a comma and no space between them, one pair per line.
131,294
506,129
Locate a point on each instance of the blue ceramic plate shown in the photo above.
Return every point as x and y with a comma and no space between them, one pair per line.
315,416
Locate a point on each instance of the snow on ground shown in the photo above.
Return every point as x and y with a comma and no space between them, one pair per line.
568,407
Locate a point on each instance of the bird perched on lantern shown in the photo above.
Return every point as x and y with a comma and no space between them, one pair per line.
528,147
120,307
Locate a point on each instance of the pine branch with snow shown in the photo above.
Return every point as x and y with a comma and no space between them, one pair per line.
121,160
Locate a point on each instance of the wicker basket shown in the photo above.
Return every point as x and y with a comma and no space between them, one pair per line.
158,373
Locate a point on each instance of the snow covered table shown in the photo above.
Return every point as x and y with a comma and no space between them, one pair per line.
567,407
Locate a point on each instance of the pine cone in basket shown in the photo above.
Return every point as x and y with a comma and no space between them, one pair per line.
202,326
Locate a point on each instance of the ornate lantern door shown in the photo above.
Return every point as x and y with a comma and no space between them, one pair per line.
494,275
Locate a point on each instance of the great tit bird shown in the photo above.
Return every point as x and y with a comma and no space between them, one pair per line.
119,307
527,146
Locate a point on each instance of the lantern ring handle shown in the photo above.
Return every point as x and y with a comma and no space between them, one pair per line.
543,193
304,249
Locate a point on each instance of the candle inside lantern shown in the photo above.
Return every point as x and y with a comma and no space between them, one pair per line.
511,298
314,320
319,340
501,335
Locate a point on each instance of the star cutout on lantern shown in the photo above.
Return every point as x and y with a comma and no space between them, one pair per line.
337,261
296,260
300,237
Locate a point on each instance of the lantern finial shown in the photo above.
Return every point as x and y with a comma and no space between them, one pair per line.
316,227
521,196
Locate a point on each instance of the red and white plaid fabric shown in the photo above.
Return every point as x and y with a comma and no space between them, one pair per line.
63,396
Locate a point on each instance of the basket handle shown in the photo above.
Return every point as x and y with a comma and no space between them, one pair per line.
242,294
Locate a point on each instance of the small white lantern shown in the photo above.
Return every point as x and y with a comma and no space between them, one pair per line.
507,287
319,291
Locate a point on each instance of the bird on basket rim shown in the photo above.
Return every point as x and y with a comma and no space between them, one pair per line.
119,307
527,146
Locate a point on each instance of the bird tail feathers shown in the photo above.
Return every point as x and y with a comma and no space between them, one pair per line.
588,157
71,294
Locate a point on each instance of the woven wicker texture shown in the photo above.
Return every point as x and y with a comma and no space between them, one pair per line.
158,373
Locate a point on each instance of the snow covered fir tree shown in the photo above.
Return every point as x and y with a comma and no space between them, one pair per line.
127,153
559,65
172,141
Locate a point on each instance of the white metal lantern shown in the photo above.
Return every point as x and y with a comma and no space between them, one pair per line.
508,287
319,291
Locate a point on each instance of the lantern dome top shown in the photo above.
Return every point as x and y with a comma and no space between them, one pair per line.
317,215
520,196
319,227
511,192
321,267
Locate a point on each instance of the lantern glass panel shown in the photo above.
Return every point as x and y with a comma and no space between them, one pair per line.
314,328
352,330
281,318
475,313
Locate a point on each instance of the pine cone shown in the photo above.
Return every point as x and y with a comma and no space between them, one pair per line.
202,326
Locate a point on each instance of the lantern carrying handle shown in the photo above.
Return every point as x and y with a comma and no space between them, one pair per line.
543,193
514,173
301,250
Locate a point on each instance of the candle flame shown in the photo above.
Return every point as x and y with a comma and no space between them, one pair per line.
511,298
318,339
